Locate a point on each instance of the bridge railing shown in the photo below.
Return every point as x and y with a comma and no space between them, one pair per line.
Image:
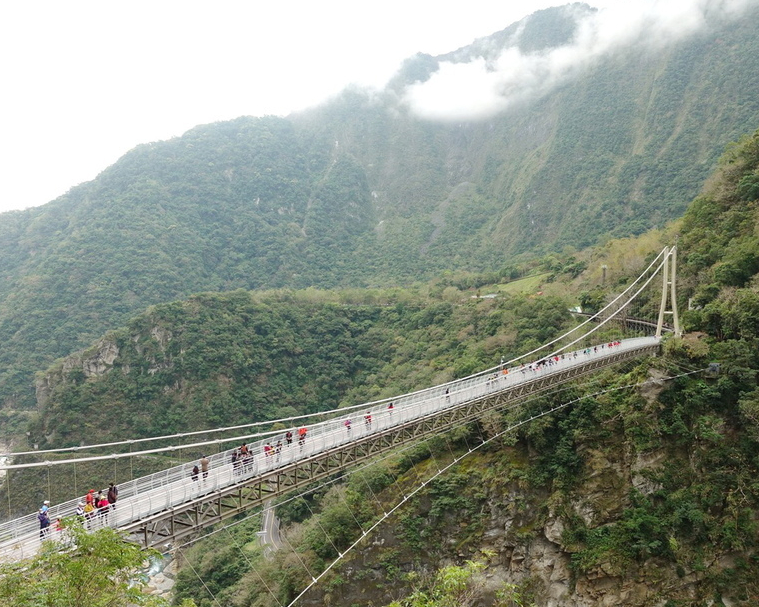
157,492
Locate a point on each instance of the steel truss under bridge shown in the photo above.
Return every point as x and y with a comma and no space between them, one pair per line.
186,519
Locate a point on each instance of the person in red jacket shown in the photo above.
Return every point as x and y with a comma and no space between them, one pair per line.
103,507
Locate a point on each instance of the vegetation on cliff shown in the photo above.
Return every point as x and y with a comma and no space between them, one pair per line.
361,193
75,567
650,494
225,359
620,489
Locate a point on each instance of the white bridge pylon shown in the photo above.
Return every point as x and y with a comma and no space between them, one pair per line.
668,293
161,508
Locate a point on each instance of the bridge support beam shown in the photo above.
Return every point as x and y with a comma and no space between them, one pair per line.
669,293
188,519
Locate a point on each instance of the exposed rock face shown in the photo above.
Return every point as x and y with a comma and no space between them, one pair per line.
642,463
92,362
162,336
654,386
524,541
100,362
161,583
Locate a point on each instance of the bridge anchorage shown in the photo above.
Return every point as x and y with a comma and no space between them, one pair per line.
167,508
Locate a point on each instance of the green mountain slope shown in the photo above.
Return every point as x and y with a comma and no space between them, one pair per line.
633,497
636,497
360,192
225,359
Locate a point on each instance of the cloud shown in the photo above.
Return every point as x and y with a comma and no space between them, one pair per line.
484,87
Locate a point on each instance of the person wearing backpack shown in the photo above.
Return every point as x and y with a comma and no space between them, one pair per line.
44,520
113,495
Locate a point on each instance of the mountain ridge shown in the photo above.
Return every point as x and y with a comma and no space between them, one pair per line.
358,192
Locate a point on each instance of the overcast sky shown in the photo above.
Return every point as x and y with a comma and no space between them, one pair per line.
85,81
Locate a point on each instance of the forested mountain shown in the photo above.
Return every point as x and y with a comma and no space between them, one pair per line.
223,359
362,191
644,496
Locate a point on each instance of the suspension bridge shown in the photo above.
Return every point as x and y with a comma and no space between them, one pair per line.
162,509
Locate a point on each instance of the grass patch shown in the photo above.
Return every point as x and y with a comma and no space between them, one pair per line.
528,284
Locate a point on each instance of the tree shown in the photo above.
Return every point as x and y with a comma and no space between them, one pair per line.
99,569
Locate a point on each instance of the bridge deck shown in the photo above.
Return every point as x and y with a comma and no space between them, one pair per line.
152,505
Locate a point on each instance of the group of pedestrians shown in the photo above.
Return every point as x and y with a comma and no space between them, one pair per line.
242,459
273,450
94,507
205,464
92,510
348,423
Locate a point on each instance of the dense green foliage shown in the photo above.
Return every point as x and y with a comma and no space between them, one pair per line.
277,203
225,359
688,514
361,193
457,586
79,568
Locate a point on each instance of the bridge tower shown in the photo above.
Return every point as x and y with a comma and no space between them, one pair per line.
669,294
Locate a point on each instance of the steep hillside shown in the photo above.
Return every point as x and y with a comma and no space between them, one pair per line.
225,359
638,497
235,358
363,192
644,496
620,148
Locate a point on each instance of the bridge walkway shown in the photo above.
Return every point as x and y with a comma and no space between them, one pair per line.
164,507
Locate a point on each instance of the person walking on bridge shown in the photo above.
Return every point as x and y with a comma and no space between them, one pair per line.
113,495
44,518
79,512
102,508
204,463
